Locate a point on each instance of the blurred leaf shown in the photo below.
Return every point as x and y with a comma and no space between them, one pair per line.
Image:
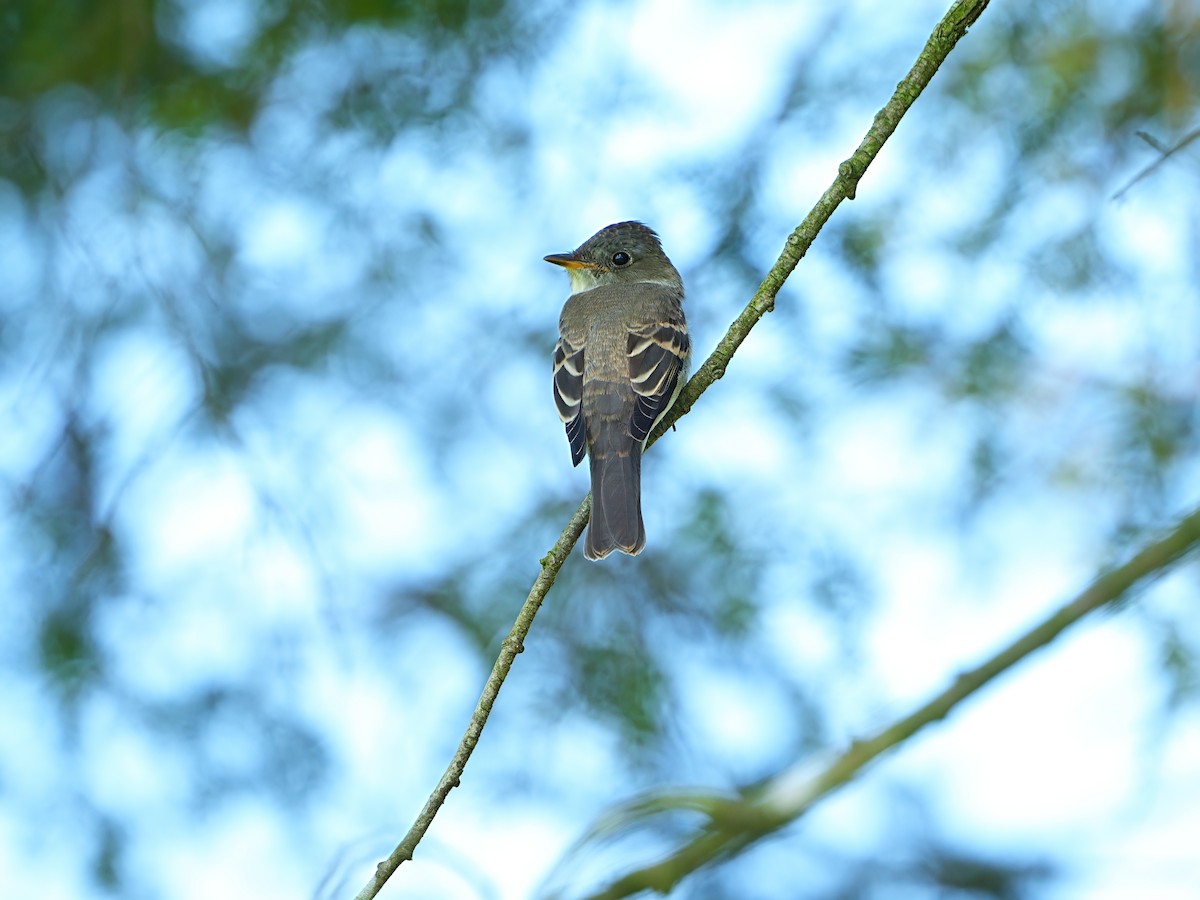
624,685
244,359
1157,428
1073,263
109,855
239,744
1178,659
69,656
887,350
978,876
991,368
862,243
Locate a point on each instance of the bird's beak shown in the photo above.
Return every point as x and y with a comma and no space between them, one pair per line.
568,261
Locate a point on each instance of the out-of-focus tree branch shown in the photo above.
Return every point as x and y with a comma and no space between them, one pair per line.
735,823
945,36
1166,153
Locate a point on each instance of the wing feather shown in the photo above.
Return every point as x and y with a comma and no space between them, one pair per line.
657,354
568,394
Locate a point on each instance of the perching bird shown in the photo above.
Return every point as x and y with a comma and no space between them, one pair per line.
620,361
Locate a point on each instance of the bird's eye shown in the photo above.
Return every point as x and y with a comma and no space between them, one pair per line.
621,258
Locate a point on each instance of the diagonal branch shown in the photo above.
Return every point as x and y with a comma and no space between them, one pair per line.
949,30
736,823
945,36
1165,152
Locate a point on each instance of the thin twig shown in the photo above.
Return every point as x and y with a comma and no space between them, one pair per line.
735,824
945,36
509,648
1162,149
947,33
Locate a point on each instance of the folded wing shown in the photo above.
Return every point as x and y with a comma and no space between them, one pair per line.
657,354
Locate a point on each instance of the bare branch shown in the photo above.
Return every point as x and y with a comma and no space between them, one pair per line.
509,648
945,36
735,823
1162,149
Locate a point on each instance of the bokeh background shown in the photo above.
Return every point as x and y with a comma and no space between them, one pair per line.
279,456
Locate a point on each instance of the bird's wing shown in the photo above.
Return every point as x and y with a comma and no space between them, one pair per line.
657,353
568,394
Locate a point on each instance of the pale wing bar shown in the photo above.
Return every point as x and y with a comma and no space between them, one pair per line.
568,394
656,356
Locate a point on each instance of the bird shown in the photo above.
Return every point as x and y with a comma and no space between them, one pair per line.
619,363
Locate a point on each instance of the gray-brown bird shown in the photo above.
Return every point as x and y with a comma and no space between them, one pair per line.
620,361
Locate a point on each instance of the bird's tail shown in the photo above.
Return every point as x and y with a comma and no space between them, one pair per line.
616,465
